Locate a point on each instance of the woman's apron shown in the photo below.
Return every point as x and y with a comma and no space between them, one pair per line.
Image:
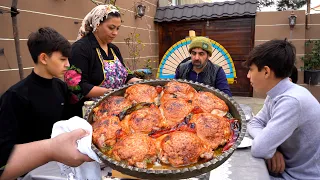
115,74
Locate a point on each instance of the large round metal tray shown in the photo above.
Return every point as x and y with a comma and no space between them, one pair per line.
184,172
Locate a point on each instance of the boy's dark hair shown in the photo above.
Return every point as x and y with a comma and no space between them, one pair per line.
278,55
47,40
294,75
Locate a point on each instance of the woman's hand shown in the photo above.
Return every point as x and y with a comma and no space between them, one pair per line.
108,90
97,91
134,80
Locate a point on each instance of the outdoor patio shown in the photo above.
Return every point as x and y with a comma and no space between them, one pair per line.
154,39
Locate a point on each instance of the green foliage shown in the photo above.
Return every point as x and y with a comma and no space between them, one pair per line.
282,5
74,88
113,2
135,46
148,64
265,3
312,59
290,4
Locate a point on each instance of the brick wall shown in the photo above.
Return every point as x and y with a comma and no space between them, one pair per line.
65,16
274,25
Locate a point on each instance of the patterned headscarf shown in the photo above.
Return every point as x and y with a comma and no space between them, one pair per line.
93,18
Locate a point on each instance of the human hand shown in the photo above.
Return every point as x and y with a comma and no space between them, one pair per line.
63,148
134,80
276,164
107,90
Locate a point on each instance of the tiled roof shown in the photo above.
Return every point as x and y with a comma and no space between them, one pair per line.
206,11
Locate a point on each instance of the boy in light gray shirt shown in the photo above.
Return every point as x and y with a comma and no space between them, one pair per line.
286,131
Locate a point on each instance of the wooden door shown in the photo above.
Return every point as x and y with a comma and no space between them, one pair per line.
237,37
170,33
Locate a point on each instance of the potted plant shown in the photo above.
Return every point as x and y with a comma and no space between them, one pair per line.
312,63
145,72
135,46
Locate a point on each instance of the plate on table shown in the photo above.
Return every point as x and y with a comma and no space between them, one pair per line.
246,142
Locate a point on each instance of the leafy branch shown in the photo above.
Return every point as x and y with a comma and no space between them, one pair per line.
113,2
312,59
282,5
135,46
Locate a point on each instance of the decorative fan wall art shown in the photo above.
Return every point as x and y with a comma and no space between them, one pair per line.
179,53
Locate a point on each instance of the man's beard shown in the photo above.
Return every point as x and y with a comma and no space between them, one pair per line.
198,64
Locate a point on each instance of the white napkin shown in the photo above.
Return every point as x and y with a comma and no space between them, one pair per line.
88,170
222,172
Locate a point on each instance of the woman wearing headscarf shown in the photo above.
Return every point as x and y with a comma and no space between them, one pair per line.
96,65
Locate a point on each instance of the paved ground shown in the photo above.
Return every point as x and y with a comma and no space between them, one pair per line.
255,103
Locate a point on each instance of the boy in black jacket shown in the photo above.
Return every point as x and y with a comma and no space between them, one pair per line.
29,108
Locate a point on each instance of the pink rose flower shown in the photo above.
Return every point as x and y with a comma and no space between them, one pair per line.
72,78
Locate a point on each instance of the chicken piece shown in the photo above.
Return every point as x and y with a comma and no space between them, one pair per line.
174,89
142,93
179,148
174,111
113,105
136,149
105,132
143,120
209,103
212,129
183,126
